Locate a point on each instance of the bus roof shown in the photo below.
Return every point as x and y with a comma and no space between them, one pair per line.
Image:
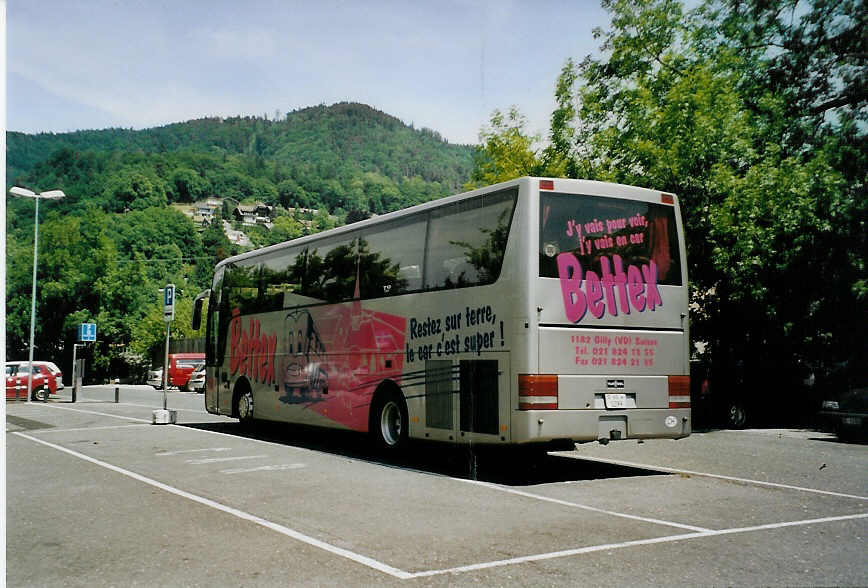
597,188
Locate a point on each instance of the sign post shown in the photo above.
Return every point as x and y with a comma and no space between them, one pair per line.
165,416
86,334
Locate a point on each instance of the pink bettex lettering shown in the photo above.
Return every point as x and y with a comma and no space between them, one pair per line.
608,281
636,288
595,294
570,272
621,283
649,272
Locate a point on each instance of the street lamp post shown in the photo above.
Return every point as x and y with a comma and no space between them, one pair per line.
50,195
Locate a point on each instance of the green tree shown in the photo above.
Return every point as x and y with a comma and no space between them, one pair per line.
187,185
507,150
214,241
148,334
134,189
74,252
285,228
755,115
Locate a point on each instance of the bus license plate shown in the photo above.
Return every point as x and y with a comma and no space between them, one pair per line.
616,401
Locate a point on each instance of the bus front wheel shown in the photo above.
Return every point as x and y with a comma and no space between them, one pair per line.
390,422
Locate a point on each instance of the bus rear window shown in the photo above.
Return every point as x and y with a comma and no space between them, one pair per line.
591,227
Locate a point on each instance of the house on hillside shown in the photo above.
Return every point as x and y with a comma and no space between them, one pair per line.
203,212
253,214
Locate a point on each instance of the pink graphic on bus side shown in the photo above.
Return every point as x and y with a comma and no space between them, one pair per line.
329,359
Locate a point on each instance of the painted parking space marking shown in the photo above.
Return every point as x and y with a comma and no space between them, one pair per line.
185,451
79,429
695,532
404,575
611,546
157,407
205,460
265,468
117,416
541,498
339,551
716,476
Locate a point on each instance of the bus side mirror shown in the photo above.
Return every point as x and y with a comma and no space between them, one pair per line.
197,309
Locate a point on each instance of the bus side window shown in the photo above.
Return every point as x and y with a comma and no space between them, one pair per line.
412,275
330,270
244,288
467,241
280,279
390,257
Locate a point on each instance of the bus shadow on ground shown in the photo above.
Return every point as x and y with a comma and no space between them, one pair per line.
505,466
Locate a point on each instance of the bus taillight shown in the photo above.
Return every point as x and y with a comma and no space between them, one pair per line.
537,392
679,391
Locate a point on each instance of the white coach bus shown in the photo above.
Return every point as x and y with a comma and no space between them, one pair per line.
535,311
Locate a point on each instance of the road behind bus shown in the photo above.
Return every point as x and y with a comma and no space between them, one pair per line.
97,496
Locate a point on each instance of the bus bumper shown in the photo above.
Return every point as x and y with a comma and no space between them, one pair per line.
530,426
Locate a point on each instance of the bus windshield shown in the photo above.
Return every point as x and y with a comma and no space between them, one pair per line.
594,227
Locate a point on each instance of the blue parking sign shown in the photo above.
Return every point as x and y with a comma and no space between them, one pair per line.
87,332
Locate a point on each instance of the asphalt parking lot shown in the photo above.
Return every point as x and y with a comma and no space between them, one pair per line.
98,496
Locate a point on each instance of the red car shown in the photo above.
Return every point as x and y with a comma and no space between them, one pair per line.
181,366
44,382
55,376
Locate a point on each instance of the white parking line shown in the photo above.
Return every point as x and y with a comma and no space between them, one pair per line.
345,553
157,407
117,416
404,575
90,428
150,406
205,460
265,468
500,488
610,546
716,476
183,451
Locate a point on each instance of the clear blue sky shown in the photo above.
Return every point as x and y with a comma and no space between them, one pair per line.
445,65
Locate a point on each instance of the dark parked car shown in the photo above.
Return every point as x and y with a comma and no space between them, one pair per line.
762,393
845,405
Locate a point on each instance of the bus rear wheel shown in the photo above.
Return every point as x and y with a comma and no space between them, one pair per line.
736,415
390,422
244,406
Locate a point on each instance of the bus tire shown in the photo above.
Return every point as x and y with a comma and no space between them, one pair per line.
389,420
243,404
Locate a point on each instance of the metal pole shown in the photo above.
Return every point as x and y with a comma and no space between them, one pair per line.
74,366
117,390
166,366
33,302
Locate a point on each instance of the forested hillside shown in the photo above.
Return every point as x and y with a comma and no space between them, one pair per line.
342,156
116,239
